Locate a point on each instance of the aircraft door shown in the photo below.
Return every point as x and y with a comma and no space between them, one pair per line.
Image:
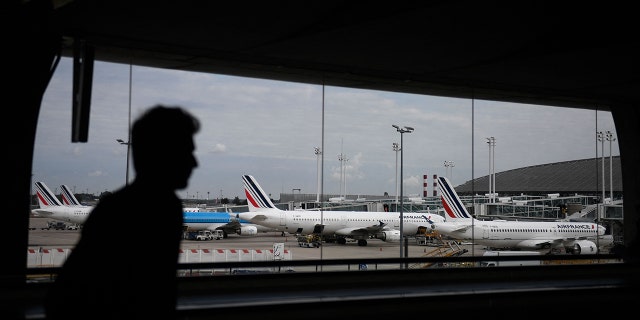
486,232
396,222
283,219
343,221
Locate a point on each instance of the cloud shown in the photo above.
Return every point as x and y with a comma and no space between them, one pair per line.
219,148
270,128
97,173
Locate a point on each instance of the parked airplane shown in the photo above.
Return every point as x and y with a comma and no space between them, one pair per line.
358,225
74,212
225,221
68,198
573,237
51,207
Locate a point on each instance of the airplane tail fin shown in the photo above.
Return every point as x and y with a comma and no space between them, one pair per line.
68,198
46,198
257,199
453,206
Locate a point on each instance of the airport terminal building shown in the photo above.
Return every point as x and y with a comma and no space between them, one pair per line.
562,190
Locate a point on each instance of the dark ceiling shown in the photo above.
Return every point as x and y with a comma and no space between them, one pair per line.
577,54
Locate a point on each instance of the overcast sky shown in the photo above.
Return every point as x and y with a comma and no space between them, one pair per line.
269,129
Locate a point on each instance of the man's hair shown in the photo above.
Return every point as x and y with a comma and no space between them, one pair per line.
161,128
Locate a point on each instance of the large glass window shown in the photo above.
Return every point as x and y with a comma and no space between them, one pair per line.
304,142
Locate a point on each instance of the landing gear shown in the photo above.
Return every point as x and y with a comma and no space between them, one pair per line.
362,243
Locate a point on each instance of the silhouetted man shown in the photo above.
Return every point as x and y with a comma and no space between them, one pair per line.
125,263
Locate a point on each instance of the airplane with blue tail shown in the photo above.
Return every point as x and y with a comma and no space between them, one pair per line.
229,223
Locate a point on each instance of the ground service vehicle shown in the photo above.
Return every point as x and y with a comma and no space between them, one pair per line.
309,241
510,263
56,225
205,235
217,234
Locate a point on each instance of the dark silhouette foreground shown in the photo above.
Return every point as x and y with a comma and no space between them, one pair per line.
105,277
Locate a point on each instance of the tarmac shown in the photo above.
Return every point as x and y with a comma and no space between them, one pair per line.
63,239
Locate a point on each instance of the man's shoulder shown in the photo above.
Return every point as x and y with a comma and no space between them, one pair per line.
152,194
137,196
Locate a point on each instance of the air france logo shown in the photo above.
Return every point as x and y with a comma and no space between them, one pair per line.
417,217
428,219
576,226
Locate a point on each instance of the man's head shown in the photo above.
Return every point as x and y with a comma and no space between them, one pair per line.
162,146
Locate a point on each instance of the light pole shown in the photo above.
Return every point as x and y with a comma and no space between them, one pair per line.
493,167
610,138
340,157
318,153
396,148
491,141
343,175
402,131
120,141
600,137
448,165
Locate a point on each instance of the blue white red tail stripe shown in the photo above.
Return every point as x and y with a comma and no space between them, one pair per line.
255,195
452,204
68,198
45,196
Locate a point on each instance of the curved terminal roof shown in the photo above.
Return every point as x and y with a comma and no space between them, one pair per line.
568,177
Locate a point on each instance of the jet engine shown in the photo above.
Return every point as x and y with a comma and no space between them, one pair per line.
389,236
582,247
247,231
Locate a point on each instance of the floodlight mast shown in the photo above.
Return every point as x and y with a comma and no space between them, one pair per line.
402,131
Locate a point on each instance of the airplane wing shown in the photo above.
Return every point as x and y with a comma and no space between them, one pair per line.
232,227
452,227
539,243
42,212
258,217
362,231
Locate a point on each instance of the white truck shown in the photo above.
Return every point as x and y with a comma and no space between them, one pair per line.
55,225
205,235
217,234
73,227
494,263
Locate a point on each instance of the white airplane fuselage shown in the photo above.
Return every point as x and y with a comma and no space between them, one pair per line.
530,235
357,225
338,222
73,214
574,237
